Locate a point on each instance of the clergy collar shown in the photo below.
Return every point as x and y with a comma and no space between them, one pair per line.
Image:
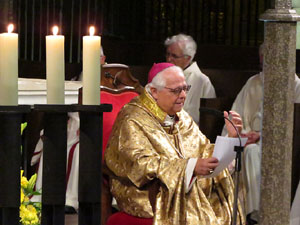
149,102
169,121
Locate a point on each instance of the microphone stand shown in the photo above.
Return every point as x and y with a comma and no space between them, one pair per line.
238,159
238,167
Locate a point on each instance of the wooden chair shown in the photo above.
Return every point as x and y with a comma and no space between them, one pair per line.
118,76
118,87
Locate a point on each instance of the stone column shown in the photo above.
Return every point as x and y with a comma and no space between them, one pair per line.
278,110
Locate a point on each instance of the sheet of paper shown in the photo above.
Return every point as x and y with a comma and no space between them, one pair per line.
224,152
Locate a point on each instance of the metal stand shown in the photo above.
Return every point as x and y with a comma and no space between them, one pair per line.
10,162
238,166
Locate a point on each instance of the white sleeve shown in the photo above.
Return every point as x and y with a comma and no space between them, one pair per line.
189,178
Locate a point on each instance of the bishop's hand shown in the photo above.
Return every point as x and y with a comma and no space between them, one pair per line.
236,120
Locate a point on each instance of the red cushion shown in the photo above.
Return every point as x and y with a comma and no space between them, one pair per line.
121,218
118,101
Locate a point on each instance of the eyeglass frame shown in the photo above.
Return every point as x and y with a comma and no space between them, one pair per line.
174,56
177,91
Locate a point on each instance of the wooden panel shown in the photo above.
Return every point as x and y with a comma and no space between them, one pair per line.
212,125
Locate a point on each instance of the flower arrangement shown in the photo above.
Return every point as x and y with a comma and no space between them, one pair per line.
30,212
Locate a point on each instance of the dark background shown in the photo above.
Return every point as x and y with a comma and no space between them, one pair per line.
228,32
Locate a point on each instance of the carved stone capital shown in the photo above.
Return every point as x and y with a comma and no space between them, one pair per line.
280,15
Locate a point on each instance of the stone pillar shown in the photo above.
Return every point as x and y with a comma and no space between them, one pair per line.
278,109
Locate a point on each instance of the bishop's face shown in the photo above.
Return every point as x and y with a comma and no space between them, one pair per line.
171,97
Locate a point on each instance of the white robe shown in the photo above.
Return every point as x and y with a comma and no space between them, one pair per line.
201,88
248,104
72,156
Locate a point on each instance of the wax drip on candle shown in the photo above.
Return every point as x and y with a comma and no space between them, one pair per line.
10,28
55,30
92,31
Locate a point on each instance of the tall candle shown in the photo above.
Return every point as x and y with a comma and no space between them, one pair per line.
55,68
91,69
9,67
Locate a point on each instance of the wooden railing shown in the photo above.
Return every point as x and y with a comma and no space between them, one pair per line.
54,162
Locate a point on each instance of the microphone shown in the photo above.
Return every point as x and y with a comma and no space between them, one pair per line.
211,111
218,113
237,149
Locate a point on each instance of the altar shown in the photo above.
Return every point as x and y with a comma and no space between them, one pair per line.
34,91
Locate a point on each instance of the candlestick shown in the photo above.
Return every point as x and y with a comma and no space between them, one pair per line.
9,67
55,68
91,69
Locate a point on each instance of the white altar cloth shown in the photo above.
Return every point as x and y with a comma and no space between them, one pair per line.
34,91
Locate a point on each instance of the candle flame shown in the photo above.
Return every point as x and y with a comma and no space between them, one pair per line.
92,31
55,30
10,28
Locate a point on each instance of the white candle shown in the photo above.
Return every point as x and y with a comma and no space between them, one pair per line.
91,69
9,67
55,68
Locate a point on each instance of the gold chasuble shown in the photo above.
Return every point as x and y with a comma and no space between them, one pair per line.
147,163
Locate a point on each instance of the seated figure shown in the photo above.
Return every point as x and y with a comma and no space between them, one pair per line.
180,50
157,158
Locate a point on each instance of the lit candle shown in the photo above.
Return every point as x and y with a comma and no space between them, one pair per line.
91,69
55,68
9,67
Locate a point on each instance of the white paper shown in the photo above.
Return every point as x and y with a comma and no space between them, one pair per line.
189,179
224,152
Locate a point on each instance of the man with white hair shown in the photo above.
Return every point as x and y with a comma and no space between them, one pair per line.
180,50
157,156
